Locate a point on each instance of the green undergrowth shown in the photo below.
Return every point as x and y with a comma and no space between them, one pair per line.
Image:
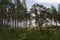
29,34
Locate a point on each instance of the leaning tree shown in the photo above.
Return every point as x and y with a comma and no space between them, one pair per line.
40,14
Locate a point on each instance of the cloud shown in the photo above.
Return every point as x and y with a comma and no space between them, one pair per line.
48,1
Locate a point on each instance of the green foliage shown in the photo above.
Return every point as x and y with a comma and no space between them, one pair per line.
15,11
40,14
32,34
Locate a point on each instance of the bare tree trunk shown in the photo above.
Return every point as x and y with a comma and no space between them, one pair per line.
1,23
40,23
51,22
56,23
15,24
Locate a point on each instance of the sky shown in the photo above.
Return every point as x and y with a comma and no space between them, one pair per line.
49,1
46,3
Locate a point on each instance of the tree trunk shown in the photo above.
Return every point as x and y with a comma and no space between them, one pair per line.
51,22
1,23
15,24
56,23
40,23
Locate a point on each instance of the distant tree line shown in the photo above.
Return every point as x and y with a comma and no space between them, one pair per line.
9,10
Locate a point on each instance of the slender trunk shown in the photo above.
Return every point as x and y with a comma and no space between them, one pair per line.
40,23
15,24
29,23
55,20
51,22
1,23
56,23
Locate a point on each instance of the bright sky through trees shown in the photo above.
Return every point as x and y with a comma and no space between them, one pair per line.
46,3
49,1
